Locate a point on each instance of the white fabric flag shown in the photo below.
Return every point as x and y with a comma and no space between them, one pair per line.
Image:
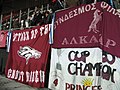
9,35
83,69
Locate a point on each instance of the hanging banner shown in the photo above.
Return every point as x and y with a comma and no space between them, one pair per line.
28,56
83,69
3,37
78,27
82,26
111,31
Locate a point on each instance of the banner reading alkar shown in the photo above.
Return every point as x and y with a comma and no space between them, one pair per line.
28,56
89,25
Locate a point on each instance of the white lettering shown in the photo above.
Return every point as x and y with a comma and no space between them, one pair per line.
110,43
81,10
83,39
73,41
36,77
33,76
23,36
66,17
88,40
61,19
93,6
104,5
34,33
42,76
65,42
71,14
9,73
46,29
75,12
88,7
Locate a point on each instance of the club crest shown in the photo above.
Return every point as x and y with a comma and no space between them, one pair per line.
97,17
27,52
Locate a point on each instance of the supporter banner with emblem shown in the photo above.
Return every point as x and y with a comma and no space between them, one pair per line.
3,37
90,25
78,26
83,69
28,56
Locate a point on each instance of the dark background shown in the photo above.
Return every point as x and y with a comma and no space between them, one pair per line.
6,6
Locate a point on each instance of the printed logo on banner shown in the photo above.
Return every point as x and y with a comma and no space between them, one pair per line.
87,82
97,17
27,52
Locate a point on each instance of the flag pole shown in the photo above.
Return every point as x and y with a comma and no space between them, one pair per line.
95,1
1,21
28,12
27,22
64,4
9,34
111,2
10,22
60,3
20,16
47,7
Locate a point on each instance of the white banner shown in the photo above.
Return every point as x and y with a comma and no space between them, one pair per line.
84,69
